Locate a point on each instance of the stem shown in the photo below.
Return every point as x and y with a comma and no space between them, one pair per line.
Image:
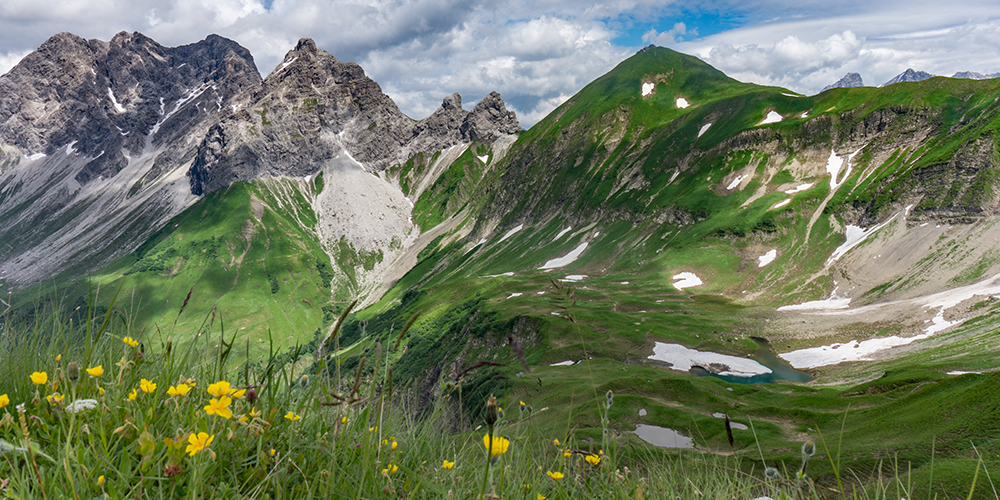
489,457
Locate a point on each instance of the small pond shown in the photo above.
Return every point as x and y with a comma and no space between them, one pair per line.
780,370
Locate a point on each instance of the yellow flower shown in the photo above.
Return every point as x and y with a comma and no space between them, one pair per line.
555,442
344,420
555,475
220,407
96,371
394,446
541,497
244,418
100,390
499,447
147,386
179,390
271,452
567,453
100,481
4,400
223,388
39,378
132,395
54,398
373,429
129,341
593,459
390,469
293,417
198,442
58,358
254,412
447,465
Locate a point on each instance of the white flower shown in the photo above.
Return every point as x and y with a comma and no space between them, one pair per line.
81,405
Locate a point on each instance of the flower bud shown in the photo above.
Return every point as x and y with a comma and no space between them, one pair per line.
73,371
251,396
491,411
808,449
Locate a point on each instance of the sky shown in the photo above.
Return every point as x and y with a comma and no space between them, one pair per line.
537,54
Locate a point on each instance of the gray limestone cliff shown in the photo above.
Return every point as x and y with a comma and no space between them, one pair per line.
312,106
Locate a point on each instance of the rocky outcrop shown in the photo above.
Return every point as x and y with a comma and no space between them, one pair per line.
972,75
313,106
114,99
849,80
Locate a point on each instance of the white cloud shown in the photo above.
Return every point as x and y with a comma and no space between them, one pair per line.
10,59
537,54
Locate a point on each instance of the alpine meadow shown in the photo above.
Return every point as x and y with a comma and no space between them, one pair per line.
674,285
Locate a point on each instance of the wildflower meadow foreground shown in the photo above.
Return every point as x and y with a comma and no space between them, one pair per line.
99,413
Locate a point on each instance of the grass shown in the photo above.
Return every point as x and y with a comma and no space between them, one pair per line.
287,427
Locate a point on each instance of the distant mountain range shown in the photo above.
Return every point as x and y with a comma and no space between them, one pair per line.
854,79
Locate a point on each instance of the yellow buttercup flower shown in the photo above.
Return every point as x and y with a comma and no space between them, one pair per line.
541,497
344,420
394,446
179,390
54,398
39,378
555,475
593,459
567,453
4,400
499,447
220,407
390,469
96,371
100,481
132,395
555,442
223,388
447,465
271,452
147,386
254,412
58,358
129,341
198,442
293,417
100,390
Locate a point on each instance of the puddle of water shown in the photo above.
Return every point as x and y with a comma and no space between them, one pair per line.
662,437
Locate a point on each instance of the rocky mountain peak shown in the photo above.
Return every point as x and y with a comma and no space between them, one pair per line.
908,76
849,80
314,106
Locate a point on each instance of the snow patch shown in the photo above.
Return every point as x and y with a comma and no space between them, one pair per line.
508,273
192,94
512,232
481,241
573,278
647,88
790,95
855,235
566,259
736,182
772,117
36,156
687,280
767,258
782,203
561,233
563,363
799,188
674,175
483,158
70,150
703,129
805,114
118,107
834,302
734,425
683,358
515,294
958,372
286,63
682,103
